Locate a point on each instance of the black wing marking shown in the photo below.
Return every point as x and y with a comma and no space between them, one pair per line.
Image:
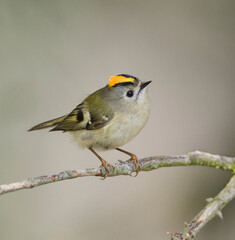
98,122
80,118
74,121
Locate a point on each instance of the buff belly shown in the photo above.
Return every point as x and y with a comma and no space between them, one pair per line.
115,134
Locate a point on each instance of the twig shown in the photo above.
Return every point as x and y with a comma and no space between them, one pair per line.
212,209
127,168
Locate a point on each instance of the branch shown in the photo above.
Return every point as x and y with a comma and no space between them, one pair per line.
127,168
212,209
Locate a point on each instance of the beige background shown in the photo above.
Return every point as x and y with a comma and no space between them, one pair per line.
54,53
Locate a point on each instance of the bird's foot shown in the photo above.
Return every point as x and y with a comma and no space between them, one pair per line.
133,158
136,162
107,167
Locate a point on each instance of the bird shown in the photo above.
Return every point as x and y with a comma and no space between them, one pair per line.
108,118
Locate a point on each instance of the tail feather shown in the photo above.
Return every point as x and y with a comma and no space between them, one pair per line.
48,124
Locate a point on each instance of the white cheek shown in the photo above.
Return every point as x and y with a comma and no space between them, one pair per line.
142,95
127,99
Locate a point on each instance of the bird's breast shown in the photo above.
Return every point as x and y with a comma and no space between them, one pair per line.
124,126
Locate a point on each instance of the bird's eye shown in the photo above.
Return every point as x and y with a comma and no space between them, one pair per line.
130,94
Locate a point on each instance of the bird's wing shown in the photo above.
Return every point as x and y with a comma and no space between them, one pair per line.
83,118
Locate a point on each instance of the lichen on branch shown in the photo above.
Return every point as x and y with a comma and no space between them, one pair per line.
192,228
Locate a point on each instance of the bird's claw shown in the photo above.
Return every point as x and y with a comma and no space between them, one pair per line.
106,166
137,166
135,160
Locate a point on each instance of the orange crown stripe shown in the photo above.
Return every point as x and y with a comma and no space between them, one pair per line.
113,80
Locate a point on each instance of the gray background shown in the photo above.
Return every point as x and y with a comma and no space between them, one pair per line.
54,53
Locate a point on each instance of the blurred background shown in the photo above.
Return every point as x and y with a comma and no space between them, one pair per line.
54,53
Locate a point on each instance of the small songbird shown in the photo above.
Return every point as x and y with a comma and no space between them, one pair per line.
108,118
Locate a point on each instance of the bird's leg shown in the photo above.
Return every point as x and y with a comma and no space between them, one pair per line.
133,158
103,162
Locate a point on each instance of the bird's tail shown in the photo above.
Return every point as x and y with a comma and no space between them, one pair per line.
47,124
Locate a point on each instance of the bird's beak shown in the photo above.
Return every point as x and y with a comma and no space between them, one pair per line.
144,84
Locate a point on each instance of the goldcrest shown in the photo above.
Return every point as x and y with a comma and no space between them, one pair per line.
108,118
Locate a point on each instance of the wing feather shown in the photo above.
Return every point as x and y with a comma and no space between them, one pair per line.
83,118
75,121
